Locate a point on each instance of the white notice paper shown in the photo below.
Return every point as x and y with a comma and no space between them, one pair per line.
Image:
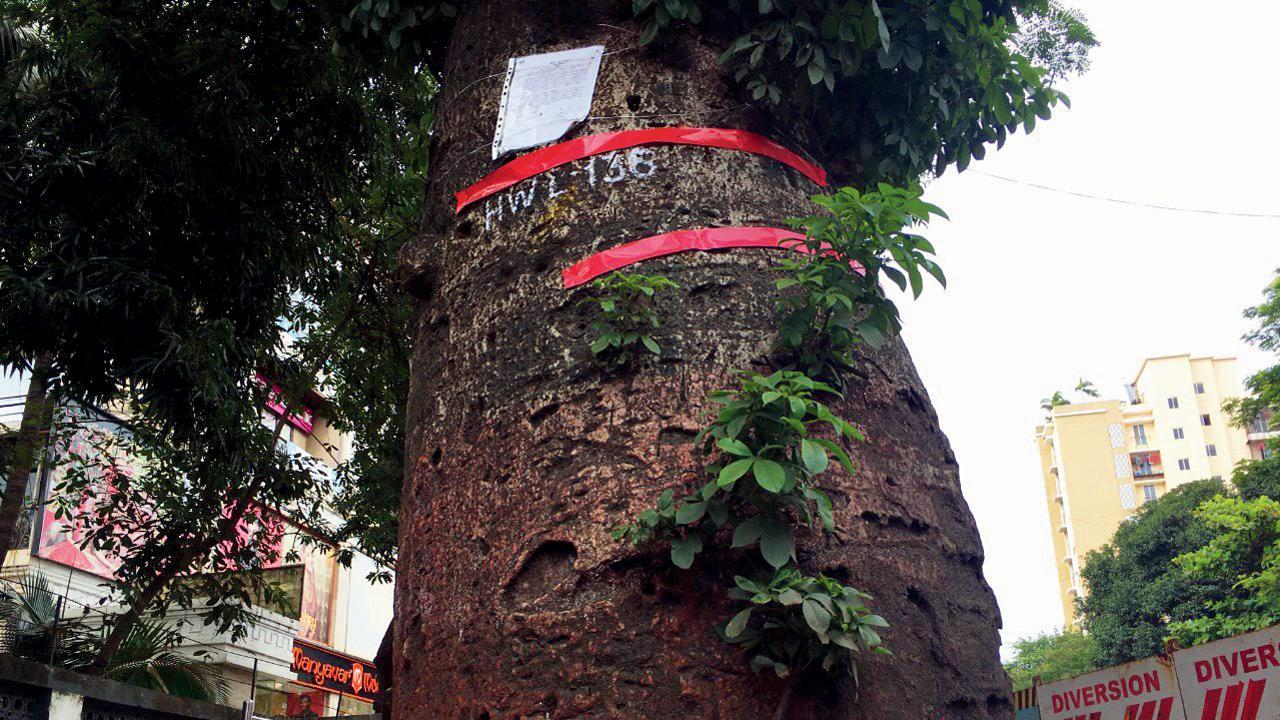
544,95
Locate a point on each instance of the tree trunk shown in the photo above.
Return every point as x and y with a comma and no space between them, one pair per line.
513,601
32,436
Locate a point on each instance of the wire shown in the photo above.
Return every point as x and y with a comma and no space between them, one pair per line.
1136,203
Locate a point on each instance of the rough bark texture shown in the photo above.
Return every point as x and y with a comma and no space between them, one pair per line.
513,602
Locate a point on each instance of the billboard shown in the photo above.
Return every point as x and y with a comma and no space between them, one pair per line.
1142,690
1233,679
96,449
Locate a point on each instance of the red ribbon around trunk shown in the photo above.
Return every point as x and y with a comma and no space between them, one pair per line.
541,160
680,241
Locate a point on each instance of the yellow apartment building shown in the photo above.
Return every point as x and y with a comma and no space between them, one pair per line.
1102,459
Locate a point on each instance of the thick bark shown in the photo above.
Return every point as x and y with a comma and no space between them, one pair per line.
512,600
33,433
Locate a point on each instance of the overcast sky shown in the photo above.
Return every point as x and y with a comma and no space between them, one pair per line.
1178,109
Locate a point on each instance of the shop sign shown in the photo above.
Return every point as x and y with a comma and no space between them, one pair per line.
334,672
1142,690
1233,679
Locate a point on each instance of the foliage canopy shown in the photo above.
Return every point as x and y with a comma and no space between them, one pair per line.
1051,657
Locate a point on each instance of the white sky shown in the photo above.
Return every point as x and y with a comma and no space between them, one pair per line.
1180,108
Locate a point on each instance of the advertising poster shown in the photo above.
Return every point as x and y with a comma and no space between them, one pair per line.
95,447
1142,690
1233,679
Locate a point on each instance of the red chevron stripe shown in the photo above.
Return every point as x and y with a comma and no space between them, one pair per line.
1148,710
1231,706
1131,712
1166,708
1253,699
1211,699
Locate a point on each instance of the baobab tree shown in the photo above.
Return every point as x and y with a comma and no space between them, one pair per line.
525,450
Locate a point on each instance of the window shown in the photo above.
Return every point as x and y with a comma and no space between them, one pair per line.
1199,388
1177,434
1184,464
1148,493
1206,420
1217,478
1173,403
1139,435
1212,450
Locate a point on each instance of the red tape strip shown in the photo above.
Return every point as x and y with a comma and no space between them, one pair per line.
607,261
541,160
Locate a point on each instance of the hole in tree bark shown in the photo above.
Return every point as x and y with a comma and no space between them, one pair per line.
633,102
675,436
436,455
545,568
542,413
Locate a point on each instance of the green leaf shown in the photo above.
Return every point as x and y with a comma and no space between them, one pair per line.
733,471
738,623
651,344
817,617
797,407
790,597
777,544
769,475
734,447
666,498
748,531
875,621
814,456
718,512
690,513
684,549
881,26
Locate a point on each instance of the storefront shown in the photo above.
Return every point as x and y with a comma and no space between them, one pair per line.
298,660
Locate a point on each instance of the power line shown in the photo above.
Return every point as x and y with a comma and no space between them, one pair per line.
1136,203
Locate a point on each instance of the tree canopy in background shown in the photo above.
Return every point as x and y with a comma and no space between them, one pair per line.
179,183
1264,386
1050,657
1245,554
1175,570
1133,589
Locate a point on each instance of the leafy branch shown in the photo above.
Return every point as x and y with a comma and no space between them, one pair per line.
625,315
795,621
835,300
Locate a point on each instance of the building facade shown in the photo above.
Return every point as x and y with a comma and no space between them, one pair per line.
1103,459
313,659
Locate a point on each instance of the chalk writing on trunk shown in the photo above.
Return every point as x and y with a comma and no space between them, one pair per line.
600,171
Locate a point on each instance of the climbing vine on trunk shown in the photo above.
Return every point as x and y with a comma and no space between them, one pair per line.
774,437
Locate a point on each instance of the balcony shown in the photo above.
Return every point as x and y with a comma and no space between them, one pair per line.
1146,465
